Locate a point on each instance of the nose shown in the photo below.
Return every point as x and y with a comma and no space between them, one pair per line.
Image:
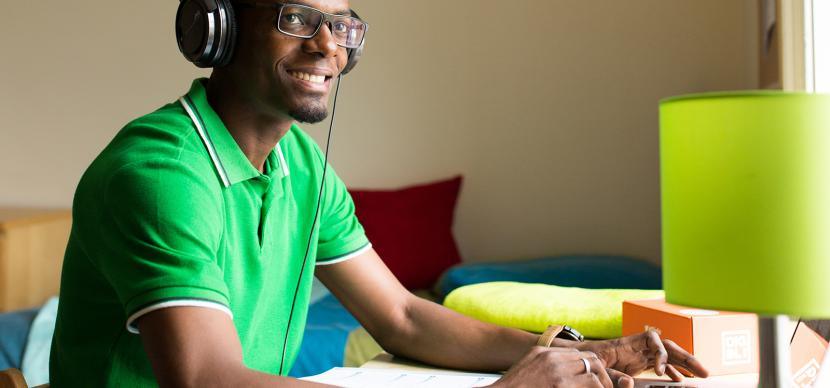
323,43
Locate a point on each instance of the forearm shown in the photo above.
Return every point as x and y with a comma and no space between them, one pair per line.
436,335
199,347
408,326
242,376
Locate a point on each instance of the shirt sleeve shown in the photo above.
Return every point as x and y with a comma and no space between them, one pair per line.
341,236
160,230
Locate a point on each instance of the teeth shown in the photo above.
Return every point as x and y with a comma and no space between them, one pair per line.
317,79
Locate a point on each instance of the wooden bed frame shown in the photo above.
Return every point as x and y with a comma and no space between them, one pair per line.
32,244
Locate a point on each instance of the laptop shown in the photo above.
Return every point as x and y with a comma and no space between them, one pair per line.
731,381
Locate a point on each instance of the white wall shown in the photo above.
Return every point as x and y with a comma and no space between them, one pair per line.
548,108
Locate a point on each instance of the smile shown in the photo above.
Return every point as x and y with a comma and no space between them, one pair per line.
314,78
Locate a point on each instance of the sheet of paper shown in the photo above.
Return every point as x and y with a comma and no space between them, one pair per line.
376,378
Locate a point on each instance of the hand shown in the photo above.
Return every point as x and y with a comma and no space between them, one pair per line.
636,353
560,367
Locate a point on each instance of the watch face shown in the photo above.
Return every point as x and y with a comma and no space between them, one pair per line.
570,333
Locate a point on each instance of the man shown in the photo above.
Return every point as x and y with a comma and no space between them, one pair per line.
193,228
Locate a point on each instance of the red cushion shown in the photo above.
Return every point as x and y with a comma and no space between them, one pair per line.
411,229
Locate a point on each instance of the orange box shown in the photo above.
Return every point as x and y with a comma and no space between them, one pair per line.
806,351
725,342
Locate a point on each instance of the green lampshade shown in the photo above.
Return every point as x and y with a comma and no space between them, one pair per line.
745,182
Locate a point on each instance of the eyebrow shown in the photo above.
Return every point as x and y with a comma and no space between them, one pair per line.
254,3
341,12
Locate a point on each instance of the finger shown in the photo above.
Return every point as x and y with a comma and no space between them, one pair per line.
683,359
590,364
673,374
682,370
583,380
578,367
655,346
598,368
621,380
592,356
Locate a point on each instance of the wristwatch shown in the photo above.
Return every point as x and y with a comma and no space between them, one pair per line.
569,333
559,331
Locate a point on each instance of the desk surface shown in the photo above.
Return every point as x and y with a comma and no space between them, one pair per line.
388,361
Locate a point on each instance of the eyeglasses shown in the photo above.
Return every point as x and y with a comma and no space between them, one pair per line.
302,21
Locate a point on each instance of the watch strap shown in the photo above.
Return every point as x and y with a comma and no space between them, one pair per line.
546,339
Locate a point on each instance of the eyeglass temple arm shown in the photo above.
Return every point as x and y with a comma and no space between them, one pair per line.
258,4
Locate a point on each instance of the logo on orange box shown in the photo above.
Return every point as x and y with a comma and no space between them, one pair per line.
805,376
737,347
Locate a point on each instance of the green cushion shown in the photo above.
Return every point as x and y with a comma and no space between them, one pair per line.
596,313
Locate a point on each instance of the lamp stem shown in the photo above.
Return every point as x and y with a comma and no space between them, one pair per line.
774,333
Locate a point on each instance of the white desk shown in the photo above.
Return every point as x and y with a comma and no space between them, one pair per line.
388,361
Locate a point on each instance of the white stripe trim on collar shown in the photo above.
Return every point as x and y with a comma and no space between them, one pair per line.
214,157
283,164
208,144
132,328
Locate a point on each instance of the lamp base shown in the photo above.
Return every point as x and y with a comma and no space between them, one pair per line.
774,333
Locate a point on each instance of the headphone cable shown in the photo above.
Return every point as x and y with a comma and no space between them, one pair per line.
313,224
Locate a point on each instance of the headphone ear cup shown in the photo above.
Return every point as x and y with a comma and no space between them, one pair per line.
206,31
355,53
353,58
228,37
192,30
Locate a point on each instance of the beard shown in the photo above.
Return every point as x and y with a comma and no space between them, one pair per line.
311,113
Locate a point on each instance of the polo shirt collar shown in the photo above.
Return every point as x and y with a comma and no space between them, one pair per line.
230,162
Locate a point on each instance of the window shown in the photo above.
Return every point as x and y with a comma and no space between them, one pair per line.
820,46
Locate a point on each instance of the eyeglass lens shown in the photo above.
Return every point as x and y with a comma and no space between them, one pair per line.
304,22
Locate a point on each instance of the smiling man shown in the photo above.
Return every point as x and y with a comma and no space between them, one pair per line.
198,229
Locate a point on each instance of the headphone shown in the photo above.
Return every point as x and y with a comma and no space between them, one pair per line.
206,33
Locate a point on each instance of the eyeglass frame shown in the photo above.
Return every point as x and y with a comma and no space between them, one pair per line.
327,19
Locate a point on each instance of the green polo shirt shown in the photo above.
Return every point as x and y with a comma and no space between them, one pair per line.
172,213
